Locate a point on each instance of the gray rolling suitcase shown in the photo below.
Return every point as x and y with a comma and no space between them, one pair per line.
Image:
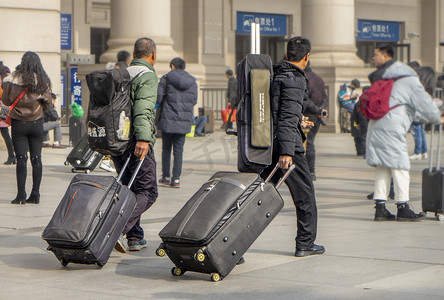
220,222
90,218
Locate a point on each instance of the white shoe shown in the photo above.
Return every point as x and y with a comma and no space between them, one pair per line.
106,165
415,156
424,155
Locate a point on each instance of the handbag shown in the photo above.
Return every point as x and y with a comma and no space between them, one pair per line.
4,112
8,117
226,114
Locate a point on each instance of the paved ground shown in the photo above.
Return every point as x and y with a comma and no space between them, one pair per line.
364,259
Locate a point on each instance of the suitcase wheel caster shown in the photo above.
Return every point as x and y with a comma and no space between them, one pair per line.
177,271
160,252
440,217
199,256
73,170
87,171
64,262
215,277
66,163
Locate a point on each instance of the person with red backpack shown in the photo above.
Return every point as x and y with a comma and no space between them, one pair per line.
386,136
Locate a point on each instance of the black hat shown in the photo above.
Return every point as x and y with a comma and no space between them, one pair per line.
229,72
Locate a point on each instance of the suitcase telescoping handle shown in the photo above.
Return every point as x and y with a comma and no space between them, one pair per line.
119,177
438,158
289,170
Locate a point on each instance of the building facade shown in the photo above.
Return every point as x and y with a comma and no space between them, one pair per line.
75,37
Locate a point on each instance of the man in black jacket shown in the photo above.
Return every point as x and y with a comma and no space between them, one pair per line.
290,97
318,97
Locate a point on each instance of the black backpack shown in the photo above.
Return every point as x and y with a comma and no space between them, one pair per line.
109,111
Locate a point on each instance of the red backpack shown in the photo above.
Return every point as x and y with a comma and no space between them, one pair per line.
375,100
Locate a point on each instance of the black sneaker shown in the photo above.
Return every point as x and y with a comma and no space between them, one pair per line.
164,180
370,196
406,214
382,213
317,249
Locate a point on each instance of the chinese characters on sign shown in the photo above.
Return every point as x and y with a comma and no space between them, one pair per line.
65,31
270,24
76,87
370,30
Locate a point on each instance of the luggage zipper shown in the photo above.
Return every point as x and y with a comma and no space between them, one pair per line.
194,207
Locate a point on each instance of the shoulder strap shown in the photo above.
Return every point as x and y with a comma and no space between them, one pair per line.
18,99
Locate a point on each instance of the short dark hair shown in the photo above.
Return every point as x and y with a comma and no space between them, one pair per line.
178,63
356,83
387,49
123,55
229,72
297,48
413,64
144,47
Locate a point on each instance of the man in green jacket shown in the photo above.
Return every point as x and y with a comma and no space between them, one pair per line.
143,95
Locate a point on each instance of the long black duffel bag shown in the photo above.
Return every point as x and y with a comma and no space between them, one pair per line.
254,120
90,218
220,222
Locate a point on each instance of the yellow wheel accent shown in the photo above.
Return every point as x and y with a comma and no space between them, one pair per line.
176,271
215,277
200,257
160,252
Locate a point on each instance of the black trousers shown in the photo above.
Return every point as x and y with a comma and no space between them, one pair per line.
310,152
8,142
144,187
175,142
28,136
302,191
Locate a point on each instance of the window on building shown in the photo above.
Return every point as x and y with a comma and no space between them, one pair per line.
366,49
99,37
273,46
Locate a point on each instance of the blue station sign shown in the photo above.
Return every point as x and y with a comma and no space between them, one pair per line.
65,31
271,24
370,30
76,87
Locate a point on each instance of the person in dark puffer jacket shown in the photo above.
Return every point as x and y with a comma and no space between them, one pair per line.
177,94
289,99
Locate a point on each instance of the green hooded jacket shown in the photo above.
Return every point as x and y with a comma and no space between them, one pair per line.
144,96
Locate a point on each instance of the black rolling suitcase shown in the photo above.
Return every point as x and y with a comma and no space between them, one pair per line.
90,218
220,222
433,183
82,158
76,130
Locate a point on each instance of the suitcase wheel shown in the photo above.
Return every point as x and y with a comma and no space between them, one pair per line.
66,163
87,171
440,217
215,277
160,251
199,256
64,262
177,271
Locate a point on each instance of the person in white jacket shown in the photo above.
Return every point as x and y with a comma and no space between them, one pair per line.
387,146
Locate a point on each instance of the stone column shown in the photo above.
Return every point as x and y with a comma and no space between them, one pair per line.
330,26
132,19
